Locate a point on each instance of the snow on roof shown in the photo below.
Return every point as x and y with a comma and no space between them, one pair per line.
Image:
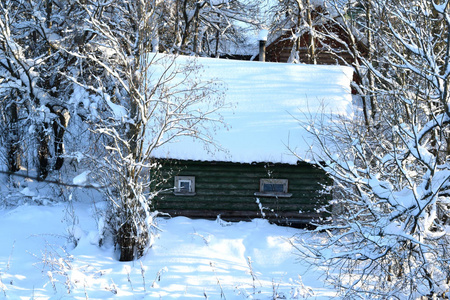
267,97
262,35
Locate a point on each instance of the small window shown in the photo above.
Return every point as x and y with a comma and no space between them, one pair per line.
184,186
273,188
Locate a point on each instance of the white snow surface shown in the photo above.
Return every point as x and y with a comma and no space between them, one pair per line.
269,100
190,259
262,35
81,178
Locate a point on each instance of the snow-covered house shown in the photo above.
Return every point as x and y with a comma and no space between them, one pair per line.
257,176
331,40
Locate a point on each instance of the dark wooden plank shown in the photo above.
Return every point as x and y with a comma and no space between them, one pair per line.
303,198
242,204
244,178
237,207
302,167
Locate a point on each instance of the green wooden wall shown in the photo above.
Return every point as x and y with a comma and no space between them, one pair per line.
227,189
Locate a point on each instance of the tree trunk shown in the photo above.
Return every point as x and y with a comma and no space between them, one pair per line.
13,141
131,241
43,153
371,83
59,129
216,51
311,41
187,23
126,240
196,24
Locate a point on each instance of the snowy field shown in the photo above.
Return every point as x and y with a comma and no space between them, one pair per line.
50,245
51,252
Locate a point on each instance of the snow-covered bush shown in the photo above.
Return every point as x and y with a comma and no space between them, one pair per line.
391,237
138,101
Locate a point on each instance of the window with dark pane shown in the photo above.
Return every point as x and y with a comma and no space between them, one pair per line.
273,188
184,186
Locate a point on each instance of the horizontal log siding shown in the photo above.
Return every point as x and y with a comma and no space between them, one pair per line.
227,189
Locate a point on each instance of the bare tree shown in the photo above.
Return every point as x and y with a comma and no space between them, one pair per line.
143,101
206,28
392,181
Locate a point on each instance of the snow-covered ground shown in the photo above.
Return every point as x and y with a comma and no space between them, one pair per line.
51,252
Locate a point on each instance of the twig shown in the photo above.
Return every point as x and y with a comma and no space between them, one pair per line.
222,294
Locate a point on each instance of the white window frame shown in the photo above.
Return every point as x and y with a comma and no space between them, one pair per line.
177,185
283,194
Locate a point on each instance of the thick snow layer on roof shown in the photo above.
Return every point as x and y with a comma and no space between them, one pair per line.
269,99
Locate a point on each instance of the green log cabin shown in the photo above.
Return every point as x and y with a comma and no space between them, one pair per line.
261,173
282,193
